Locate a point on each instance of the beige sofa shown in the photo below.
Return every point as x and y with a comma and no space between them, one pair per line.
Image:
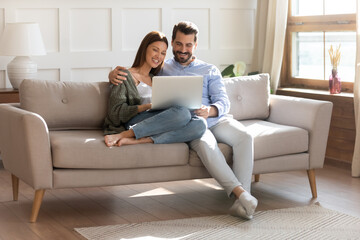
53,138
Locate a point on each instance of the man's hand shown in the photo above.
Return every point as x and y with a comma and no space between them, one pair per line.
117,76
207,111
204,111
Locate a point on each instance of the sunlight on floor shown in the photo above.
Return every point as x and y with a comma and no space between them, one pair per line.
210,185
155,192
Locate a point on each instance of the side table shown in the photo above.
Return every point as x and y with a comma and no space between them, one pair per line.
9,95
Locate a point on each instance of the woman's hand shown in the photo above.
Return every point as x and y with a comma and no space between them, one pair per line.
144,107
117,76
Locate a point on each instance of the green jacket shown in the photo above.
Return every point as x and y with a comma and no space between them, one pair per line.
122,105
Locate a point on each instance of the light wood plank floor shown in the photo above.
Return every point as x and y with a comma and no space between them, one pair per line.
63,210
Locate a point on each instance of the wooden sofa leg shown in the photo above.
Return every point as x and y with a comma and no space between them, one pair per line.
312,181
15,187
257,177
39,194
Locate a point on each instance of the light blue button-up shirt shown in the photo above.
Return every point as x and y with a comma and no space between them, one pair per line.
214,92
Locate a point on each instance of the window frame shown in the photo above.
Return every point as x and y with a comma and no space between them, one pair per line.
318,23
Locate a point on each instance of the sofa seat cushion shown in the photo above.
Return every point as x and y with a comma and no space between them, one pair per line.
271,139
86,149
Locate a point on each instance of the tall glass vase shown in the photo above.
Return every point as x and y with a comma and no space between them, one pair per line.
334,82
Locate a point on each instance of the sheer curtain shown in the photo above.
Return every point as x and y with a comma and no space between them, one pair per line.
355,170
270,38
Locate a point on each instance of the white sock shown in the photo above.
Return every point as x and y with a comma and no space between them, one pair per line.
237,210
248,202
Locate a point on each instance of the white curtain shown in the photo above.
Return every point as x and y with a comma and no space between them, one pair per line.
270,38
355,169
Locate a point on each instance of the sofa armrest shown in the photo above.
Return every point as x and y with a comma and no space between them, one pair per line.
25,146
312,115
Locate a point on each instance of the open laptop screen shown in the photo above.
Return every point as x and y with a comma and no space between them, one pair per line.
176,90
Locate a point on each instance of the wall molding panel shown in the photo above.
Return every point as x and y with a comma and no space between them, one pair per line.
134,25
86,39
237,30
90,30
2,19
2,79
48,19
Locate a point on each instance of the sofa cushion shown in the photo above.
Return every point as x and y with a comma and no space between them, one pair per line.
271,139
86,149
249,96
66,105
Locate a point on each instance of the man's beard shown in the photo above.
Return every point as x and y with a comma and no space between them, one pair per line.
182,60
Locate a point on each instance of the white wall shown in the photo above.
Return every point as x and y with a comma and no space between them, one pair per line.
85,39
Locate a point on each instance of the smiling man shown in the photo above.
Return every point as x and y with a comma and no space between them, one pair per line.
215,106
183,50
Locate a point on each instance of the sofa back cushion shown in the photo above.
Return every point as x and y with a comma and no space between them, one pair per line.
82,105
66,105
249,96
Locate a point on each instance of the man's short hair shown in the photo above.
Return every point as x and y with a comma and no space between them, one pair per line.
186,28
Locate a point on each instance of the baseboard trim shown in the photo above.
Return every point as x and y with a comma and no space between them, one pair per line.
338,163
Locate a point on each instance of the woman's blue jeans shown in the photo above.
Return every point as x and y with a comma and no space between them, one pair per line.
171,125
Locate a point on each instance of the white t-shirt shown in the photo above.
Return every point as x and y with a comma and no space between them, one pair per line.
145,92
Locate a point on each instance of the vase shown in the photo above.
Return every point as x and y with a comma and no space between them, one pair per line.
334,82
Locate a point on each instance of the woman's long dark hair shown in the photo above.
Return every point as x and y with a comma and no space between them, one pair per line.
140,58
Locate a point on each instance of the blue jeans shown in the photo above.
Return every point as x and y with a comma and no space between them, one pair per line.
171,125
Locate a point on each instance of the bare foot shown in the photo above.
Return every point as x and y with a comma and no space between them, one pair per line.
113,139
132,141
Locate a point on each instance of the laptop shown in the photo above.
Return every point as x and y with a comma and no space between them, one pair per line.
183,91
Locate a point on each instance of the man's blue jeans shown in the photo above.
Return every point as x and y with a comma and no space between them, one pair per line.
171,125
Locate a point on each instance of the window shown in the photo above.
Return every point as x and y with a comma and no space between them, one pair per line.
313,26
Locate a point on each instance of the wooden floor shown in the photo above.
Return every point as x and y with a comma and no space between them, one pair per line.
64,210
